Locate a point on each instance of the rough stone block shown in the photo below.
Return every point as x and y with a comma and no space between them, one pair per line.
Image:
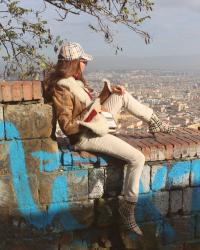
96,182
191,199
77,185
7,196
152,206
63,187
197,233
114,180
50,157
6,92
183,229
4,159
34,187
152,233
176,201
31,121
105,209
49,145
187,200
21,217
161,202
27,90
37,90
158,177
30,149
179,174
46,182
195,173
25,190
16,91
145,180
145,209
193,245
78,215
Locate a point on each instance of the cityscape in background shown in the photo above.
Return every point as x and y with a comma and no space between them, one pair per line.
174,96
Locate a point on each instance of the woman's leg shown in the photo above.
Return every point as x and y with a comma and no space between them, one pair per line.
114,146
111,145
115,103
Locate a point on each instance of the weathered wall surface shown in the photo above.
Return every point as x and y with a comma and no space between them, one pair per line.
53,198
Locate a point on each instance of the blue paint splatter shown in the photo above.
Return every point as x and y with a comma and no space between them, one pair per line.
195,173
2,131
178,173
195,206
35,216
159,179
67,158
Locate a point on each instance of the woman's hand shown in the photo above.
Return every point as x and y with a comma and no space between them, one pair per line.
118,89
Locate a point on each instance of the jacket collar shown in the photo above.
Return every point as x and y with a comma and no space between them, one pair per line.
76,87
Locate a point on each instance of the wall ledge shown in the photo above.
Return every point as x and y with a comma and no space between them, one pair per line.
20,91
182,144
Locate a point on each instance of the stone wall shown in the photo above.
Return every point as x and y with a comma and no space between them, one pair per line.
54,199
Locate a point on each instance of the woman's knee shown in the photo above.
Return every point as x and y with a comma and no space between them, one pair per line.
139,159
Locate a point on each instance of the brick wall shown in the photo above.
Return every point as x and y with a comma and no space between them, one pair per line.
53,198
17,91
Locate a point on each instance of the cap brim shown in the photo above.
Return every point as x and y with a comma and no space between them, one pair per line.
87,57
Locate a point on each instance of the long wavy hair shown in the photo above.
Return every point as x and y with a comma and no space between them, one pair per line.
63,69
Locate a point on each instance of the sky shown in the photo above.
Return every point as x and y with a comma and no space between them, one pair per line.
174,29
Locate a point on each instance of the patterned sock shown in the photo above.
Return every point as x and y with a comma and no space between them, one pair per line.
156,125
126,210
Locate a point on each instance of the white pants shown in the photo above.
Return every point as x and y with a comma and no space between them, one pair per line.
112,145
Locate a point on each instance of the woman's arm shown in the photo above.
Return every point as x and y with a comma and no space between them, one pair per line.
108,89
64,105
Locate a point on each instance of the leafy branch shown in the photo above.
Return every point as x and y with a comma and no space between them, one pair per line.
24,33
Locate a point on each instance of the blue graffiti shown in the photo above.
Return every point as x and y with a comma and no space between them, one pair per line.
27,206
48,161
159,179
59,207
178,173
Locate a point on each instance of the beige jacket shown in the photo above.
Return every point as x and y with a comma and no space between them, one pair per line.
70,102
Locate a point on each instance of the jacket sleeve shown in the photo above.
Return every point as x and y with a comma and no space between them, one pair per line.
63,103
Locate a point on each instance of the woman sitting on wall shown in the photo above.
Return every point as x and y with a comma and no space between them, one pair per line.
80,117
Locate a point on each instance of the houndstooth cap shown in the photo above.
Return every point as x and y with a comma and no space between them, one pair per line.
71,51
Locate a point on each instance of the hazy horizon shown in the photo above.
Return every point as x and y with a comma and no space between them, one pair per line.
163,63
172,63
